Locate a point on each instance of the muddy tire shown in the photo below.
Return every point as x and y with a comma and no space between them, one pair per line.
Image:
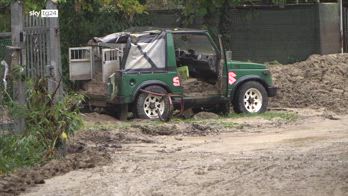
147,105
251,97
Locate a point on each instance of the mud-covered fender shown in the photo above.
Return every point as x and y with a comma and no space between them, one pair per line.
149,83
247,78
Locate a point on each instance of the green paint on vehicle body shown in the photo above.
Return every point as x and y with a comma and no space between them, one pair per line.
247,71
129,83
132,82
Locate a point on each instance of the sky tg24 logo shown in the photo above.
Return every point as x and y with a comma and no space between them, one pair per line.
48,13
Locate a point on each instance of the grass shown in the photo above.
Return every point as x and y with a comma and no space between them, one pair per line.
91,126
228,124
18,151
224,121
286,116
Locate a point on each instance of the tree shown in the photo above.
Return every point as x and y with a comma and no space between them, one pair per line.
203,8
128,7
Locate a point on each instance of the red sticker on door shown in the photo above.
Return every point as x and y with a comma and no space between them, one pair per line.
176,81
232,77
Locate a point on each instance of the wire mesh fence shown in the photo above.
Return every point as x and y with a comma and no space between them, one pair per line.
3,43
6,123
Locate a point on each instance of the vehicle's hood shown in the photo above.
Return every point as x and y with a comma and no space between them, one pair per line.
245,65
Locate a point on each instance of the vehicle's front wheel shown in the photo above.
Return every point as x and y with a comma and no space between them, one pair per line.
251,97
148,105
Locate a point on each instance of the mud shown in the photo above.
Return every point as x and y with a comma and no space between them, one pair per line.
205,115
102,138
192,129
308,157
95,117
195,87
78,158
86,149
318,82
255,156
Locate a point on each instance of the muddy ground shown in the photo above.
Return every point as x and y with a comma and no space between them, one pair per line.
279,153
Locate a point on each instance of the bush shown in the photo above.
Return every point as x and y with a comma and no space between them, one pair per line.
19,151
46,120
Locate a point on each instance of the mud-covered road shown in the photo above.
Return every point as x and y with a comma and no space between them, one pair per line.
306,157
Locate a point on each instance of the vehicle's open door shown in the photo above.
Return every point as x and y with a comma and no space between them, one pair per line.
222,70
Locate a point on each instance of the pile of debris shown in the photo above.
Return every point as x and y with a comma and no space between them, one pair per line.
195,87
318,82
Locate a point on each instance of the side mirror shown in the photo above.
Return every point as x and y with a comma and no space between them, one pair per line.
228,55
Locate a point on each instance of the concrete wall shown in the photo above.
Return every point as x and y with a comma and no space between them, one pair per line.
329,22
284,34
264,34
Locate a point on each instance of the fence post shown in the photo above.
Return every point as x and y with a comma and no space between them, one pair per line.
55,56
16,34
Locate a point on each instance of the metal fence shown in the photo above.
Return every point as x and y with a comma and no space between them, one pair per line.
36,49
4,41
6,123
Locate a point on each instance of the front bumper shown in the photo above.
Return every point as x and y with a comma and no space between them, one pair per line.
272,91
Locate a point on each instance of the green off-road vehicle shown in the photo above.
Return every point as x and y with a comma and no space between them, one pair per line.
152,73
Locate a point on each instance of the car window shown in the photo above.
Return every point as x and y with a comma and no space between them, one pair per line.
197,42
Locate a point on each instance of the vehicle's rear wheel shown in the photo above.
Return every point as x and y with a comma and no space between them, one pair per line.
148,105
251,97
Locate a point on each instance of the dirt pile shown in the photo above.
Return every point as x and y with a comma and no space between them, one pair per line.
96,117
318,82
111,139
195,87
193,129
87,149
205,115
81,158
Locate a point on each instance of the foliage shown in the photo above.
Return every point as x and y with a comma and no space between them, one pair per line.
46,120
18,151
271,115
203,8
128,8
5,16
